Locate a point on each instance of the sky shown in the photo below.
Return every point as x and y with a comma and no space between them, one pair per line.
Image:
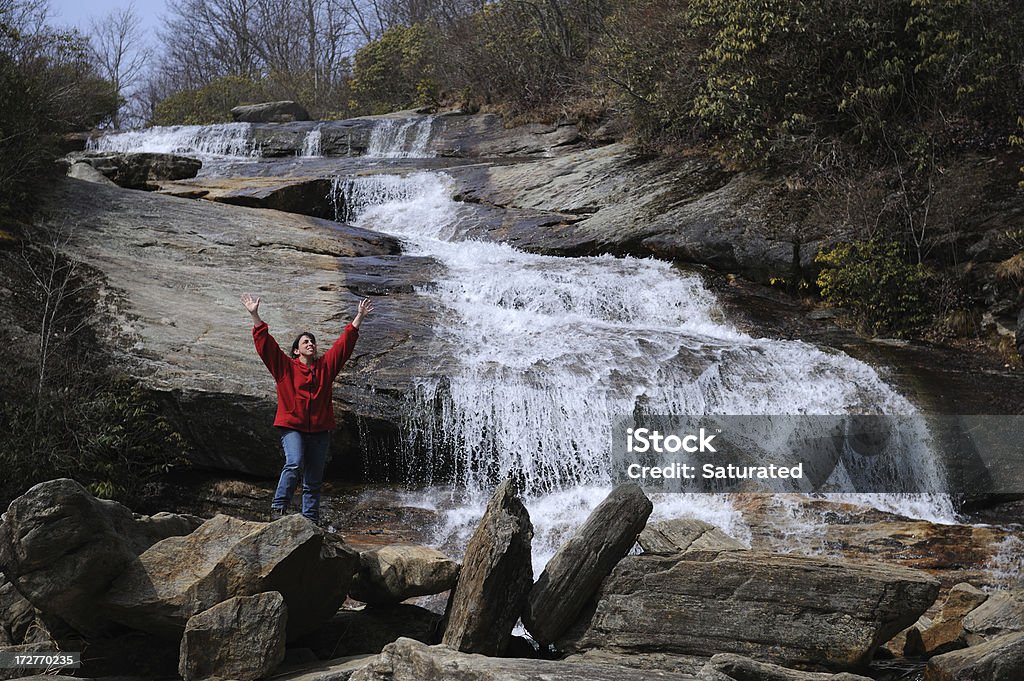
77,13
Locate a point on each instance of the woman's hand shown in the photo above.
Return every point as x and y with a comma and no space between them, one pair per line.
252,304
365,308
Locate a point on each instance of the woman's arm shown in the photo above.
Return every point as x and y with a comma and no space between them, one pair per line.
365,308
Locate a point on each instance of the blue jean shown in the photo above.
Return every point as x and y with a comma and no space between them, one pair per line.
306,452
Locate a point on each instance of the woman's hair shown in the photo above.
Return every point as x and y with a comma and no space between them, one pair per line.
295,344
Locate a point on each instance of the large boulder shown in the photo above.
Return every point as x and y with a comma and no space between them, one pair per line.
575,572
270,112
946,632
136,170
406,660
1000,659
1001,613
16,614
682,534
62,547
241,638
183,576
786,609
495,580
392,574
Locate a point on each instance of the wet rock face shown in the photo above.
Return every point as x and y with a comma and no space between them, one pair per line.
495,579
789,610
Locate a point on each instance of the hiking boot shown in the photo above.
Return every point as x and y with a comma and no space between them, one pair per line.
276,514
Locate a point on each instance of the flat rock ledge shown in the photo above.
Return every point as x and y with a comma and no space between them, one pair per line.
790,610
408,660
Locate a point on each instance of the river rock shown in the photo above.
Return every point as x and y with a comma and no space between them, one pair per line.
495,579
138,170
241,638
368,630
270,112
62,547
946,632
819,612
406,660
574,573
1000,659
682,534
1001,613
730,667
183,576
392,574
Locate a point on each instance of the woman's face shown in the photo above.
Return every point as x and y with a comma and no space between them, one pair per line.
307,347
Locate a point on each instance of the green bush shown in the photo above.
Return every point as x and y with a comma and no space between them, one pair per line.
874,281
211,103
394,72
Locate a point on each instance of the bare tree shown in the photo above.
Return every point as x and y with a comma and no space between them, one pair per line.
119,49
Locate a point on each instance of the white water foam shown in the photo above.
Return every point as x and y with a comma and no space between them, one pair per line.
226,140
400,138
311,144
551,349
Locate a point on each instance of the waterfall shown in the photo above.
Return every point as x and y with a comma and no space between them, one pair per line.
311,144
552,349
203,141
400,138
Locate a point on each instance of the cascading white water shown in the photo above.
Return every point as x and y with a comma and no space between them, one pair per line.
311,144
400,138
551,349
204,141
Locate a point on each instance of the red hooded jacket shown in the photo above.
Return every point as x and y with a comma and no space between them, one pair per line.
304,394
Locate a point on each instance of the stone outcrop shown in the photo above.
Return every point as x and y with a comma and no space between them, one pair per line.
201,364
730,667
62,548
270,112
819,612
302,195
406,660
574,573
946,631
392,574
1001,613
84,171
183,576
1000,659
682,534
241,638
137,170
495,580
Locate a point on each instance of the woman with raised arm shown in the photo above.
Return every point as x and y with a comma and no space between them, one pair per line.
305,407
